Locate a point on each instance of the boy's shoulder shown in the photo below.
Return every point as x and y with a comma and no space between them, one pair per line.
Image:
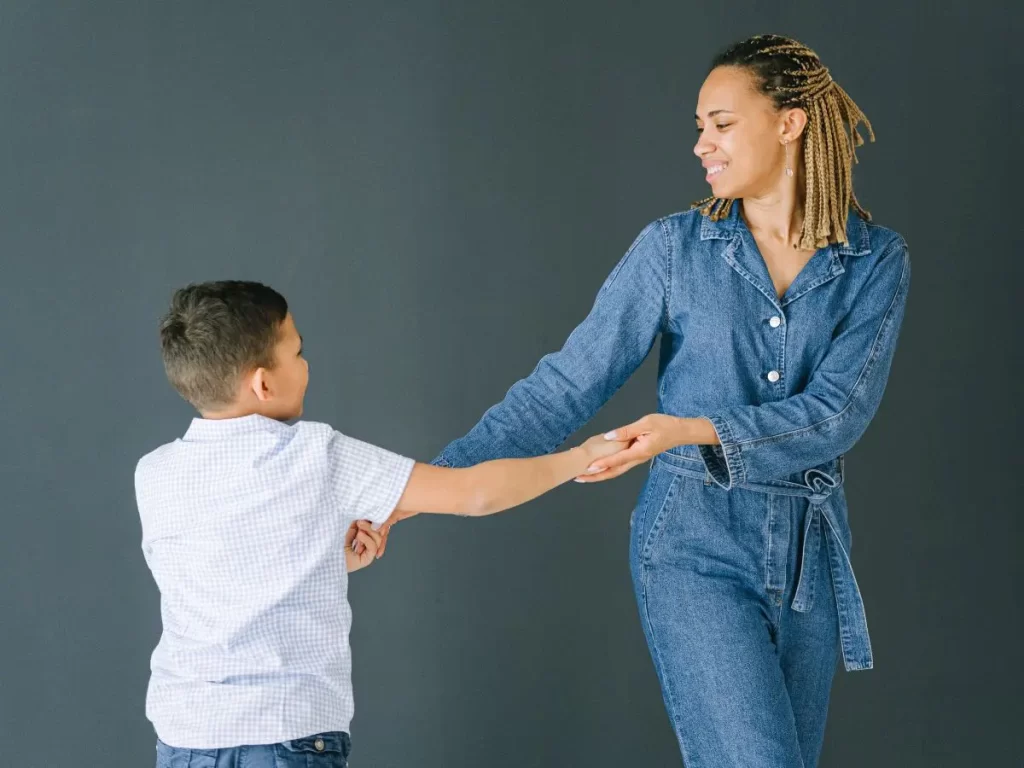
153,460
320,431
165,457
314,427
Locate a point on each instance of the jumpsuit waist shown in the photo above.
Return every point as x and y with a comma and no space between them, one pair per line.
821,523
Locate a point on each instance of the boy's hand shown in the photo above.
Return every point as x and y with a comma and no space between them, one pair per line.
385,529
600,447
646,438
361,545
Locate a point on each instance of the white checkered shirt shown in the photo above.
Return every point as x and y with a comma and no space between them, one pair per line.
243,527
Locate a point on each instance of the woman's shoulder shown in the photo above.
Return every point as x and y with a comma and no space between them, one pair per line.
675,228
864,237
681,222
875,252
881,241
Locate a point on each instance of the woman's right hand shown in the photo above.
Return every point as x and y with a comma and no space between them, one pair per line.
651,435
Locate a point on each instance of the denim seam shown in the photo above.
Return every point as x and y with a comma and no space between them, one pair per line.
639,516
782,354
667,295
768,553
735,469
645,554
662,675
769,560
617,270
874,353
658,524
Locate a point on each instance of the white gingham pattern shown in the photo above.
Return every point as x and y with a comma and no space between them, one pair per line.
243,527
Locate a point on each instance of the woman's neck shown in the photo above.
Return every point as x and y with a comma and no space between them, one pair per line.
778,215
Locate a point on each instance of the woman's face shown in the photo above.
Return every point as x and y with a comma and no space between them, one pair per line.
740,136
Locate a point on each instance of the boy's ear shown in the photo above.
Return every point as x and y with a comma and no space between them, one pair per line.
260,384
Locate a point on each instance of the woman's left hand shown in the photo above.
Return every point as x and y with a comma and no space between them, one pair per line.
647,438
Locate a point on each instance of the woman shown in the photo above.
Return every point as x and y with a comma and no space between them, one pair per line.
778,307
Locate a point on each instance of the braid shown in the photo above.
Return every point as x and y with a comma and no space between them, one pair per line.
792,75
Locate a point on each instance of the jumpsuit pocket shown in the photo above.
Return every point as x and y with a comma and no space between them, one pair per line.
177,757
327,750
652,509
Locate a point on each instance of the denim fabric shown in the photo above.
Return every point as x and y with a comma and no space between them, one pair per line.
724,582
324,750
743,572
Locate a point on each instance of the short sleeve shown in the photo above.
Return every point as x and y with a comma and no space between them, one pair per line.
367,481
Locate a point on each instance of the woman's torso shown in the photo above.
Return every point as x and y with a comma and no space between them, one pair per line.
727,338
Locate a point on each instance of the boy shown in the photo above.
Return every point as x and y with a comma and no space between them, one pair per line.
243,520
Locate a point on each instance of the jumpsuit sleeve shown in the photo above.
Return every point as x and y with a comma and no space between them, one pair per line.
769,441
569,386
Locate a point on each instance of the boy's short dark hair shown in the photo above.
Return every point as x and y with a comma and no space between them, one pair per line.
216,332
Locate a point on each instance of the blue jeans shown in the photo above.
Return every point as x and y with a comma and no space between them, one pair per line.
746,598
324,750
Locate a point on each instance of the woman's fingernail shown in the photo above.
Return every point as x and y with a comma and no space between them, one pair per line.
578,480
592,469
609,435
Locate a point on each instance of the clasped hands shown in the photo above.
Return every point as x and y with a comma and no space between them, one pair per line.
642,440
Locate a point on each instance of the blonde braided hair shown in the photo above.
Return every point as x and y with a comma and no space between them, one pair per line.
792,75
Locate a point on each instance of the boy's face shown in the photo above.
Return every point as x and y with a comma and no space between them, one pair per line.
280,390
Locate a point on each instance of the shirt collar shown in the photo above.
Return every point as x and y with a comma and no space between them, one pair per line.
857,235
203,430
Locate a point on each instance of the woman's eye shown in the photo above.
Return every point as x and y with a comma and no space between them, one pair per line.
723,127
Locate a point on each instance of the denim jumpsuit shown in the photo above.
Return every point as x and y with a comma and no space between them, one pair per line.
739,552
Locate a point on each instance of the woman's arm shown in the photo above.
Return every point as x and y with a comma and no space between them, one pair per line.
765,442
569,386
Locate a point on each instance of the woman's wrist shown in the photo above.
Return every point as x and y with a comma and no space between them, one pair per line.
690,431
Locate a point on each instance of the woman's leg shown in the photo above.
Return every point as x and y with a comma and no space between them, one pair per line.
808,645
702,559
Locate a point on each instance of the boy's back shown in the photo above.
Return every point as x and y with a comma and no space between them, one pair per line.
244,522
250,527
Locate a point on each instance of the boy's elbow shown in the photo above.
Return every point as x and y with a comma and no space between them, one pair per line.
477,495
481,502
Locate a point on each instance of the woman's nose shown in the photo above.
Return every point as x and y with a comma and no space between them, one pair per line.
702,147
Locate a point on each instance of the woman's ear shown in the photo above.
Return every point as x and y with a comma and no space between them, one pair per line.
794,122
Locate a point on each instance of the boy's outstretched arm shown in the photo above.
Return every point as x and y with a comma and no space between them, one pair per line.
494,486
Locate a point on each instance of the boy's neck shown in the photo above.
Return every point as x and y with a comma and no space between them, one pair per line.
230,413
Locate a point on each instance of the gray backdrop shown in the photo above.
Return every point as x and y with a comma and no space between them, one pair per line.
439,190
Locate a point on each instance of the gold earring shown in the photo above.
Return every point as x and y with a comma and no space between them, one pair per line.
789,169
